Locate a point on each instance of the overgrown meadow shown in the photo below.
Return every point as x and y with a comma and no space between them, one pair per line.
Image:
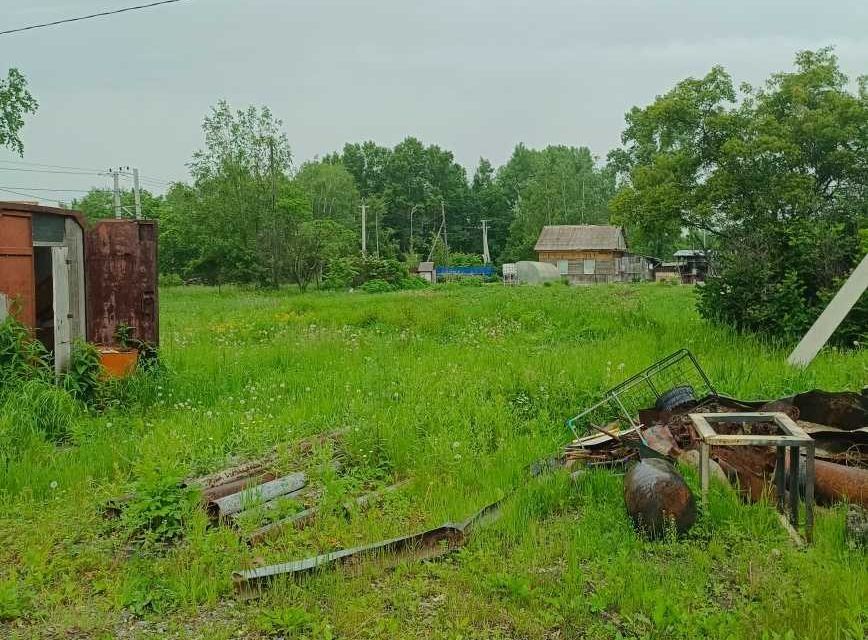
457,388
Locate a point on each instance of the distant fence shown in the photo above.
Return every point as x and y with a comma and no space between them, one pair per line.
486,271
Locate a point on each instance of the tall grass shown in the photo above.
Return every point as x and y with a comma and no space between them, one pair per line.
459,389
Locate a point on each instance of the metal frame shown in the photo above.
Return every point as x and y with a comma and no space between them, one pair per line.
614,399
793,439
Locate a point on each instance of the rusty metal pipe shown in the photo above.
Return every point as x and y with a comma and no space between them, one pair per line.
835,482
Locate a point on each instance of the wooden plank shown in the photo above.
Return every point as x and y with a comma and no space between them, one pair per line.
60,285
4,307
833,315
75,242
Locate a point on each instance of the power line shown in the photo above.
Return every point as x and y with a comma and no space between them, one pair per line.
50,166
87,17
30,195
56,171
52,190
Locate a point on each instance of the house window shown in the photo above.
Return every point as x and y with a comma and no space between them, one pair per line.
563,267
590,266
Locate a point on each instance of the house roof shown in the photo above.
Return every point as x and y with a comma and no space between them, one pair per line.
581,237
689,253
29,207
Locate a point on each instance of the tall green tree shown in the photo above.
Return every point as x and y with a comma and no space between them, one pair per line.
98,204
778,175
331,190
555,185
15,102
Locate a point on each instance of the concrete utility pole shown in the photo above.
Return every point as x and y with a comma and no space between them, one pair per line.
486,256
364,208
116,175
137,195
377,230
443,224
820,332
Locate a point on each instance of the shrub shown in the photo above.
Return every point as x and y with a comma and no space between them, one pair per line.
36,407
159,509
413,282
21,357
458,259
171,280
341,273
84,379
377,286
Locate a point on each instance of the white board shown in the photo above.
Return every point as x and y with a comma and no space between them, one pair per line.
833,315
60,282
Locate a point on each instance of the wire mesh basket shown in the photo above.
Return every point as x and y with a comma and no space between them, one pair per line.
617,413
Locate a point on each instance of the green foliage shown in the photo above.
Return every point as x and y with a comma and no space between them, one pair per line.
160,507
556,185
84,380
98,204
774,176
340,273
35,407
377,285
458,259
11,605
15,103
21,357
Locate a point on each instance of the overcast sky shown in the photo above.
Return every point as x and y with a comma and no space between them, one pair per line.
474,76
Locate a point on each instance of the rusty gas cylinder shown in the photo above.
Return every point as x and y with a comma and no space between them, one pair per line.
658,498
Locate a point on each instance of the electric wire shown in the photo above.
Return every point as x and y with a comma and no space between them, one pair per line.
101,14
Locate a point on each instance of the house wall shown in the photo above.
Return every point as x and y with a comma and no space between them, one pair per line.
16,266
606,265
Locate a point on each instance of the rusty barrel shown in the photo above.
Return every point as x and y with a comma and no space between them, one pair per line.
657,497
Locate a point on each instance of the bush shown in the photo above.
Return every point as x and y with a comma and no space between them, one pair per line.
413,282
377,286
21,357
341,273
458,259
159,509
170,280
84,380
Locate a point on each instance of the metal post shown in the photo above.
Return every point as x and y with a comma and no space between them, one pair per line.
486,256
117,193
809,492
780,478
137,194
794,486
704,470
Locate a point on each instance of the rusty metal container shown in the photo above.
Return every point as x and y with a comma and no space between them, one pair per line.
657,497
122,280
16,265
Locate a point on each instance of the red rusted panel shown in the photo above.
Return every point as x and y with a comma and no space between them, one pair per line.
121,263
16,265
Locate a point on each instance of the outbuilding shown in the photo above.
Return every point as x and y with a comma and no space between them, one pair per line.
591,254
71,281
42,279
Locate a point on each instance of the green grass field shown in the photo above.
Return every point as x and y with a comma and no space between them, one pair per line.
457,388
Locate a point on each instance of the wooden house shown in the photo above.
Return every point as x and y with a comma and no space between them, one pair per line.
591,254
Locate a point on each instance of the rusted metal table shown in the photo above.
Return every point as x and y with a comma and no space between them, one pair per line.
793,437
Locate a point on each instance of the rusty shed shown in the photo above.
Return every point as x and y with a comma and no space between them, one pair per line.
69,281
42,273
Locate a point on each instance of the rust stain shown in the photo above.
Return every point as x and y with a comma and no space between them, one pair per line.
122,280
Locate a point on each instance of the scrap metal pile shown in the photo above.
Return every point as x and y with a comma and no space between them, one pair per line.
649,416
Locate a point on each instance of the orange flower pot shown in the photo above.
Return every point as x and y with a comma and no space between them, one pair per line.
118,364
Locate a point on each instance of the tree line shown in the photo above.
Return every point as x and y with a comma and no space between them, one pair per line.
772,180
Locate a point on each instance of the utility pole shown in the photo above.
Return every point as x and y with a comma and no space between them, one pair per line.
443,224
137,195
116,175
583,200
364,208
486,256
412,211
273,213
377,230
